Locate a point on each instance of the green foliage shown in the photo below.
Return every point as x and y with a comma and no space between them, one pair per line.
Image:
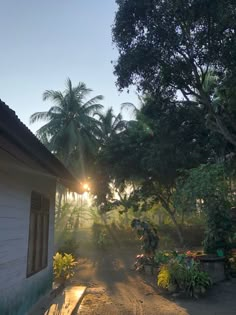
170,47
164,257
160,29
206,189
191,279
109,125
150,160
201,183
185,275
219,226
70,127
63,267
195,282
161,257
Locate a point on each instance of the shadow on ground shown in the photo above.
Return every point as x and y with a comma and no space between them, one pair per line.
123,291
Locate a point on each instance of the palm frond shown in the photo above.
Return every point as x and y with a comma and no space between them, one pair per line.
92,109
117,120
39,116
81,90
99,114
68,85
131,106
55,96
93,101
55,110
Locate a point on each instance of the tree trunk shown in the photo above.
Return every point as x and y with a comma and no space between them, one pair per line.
220,126
178,229
223,130
165,205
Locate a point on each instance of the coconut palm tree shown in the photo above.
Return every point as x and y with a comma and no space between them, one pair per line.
70,130
109,125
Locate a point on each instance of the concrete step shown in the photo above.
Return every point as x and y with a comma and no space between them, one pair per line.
63,303
66,302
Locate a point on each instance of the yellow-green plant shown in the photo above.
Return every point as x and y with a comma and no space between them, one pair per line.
63,266
184,275
163,278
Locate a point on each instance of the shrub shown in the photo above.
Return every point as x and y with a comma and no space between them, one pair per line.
161,257
184,275
208,185
164,257
63,267
219,226
195,281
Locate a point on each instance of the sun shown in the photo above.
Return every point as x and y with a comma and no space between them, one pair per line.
86,187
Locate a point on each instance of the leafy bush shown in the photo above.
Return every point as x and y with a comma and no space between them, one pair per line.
206,189
63,267
195,281
184,275
162,257
219,225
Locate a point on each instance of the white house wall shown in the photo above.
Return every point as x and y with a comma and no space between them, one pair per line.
17,181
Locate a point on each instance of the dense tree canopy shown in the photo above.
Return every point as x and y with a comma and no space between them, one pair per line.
152,151
168,48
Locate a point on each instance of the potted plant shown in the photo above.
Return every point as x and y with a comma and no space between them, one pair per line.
63,268
183,275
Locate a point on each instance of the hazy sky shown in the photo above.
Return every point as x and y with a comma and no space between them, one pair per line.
45,41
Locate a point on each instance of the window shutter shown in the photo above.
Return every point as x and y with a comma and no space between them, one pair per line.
38,233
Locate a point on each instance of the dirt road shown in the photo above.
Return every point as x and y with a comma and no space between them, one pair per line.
114,289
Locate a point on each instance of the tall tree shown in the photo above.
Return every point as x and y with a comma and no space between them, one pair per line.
109,125
169,47
70,130
152,150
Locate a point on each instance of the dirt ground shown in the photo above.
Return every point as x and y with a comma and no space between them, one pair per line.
115,289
